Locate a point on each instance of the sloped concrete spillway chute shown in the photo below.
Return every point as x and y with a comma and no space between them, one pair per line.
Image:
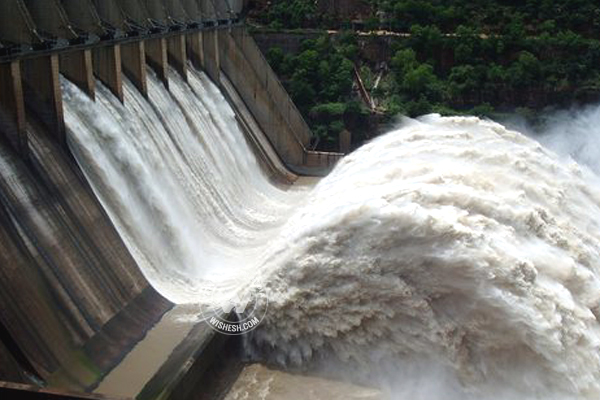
57,292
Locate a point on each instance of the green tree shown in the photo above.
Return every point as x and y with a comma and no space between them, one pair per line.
467,45
275,57
293,13
426,40
421,81
302,92
462,83
524,71
403,61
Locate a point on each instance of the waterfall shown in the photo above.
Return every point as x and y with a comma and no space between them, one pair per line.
451,258
179,181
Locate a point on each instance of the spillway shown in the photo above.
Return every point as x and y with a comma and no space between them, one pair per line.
153,197
180,182
451,258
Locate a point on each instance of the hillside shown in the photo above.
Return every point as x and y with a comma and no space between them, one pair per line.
417,57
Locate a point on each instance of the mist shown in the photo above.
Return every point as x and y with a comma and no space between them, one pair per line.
573,134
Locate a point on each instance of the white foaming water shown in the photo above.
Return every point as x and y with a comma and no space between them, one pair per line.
451,259
179,181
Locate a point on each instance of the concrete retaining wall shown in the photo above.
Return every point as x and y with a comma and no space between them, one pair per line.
270,82
263,106
269,103
267,155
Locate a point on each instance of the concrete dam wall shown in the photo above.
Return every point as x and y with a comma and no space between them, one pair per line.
72,298
65,271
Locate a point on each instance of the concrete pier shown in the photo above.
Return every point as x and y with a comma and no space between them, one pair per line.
195,49
107,67
345,139
156,55
177,54
212,56
12,106
77,66
134,64
43,96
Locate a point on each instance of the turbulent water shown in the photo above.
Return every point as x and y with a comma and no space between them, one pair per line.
575,134
450,259
179,180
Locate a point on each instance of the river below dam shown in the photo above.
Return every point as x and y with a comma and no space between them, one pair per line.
449,259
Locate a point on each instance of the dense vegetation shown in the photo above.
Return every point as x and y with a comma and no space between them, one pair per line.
320,79
479,57
495,16
486,16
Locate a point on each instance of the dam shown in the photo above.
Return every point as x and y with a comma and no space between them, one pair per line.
91,94
160,192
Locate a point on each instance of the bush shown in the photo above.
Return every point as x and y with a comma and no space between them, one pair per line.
328,110
275,57
419,107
